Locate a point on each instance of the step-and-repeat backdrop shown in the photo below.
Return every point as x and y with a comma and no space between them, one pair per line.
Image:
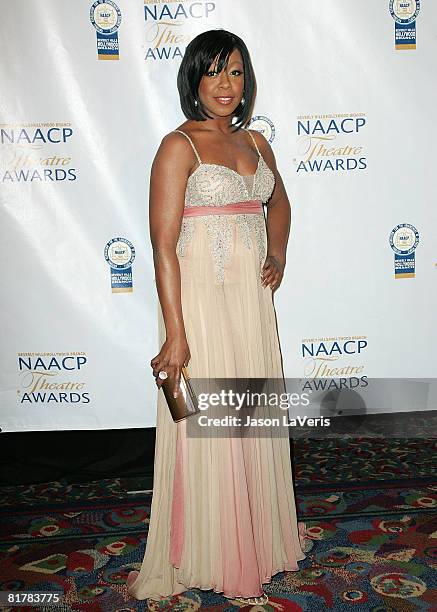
347,97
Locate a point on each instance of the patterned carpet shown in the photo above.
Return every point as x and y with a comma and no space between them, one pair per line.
370,506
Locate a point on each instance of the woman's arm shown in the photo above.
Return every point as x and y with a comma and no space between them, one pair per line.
278,220
168,179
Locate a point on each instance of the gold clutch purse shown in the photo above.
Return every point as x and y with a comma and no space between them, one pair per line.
185,404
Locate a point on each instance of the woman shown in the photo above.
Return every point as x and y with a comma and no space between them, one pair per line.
223,515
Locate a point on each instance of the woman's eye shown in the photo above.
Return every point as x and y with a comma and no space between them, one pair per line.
234,72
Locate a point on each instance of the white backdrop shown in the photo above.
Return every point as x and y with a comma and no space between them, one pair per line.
79,133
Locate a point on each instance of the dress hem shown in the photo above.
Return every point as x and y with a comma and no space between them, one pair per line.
285,568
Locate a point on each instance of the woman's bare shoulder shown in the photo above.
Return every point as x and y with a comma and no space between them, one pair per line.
173,137
264,147
173,143
260,139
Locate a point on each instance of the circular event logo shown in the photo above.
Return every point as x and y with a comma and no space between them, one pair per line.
105,16
404,239
404,11
119,253
264,125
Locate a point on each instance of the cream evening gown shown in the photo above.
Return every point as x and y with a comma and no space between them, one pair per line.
223,513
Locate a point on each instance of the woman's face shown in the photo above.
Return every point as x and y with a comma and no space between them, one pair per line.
221,93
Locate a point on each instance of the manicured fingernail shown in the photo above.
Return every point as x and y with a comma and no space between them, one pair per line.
175,394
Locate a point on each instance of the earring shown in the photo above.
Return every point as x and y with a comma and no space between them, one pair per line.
195,102
242,101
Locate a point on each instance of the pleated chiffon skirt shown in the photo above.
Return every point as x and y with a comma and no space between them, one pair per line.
223,512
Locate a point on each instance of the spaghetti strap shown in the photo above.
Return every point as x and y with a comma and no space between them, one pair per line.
254,142
192,144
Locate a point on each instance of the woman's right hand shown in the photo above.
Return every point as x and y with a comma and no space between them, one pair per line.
174,354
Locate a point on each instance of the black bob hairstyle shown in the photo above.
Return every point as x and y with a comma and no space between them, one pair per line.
199,55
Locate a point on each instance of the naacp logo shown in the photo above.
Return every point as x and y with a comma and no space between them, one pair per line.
52,378
34,152
328,143
119,253
332,357
404,11
264,125
105,16
404,239
170,25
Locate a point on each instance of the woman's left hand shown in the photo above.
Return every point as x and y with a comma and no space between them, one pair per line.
272,272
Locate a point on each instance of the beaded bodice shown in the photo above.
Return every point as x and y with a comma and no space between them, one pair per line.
216,185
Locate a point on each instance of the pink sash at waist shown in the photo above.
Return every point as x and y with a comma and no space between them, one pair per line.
247,207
